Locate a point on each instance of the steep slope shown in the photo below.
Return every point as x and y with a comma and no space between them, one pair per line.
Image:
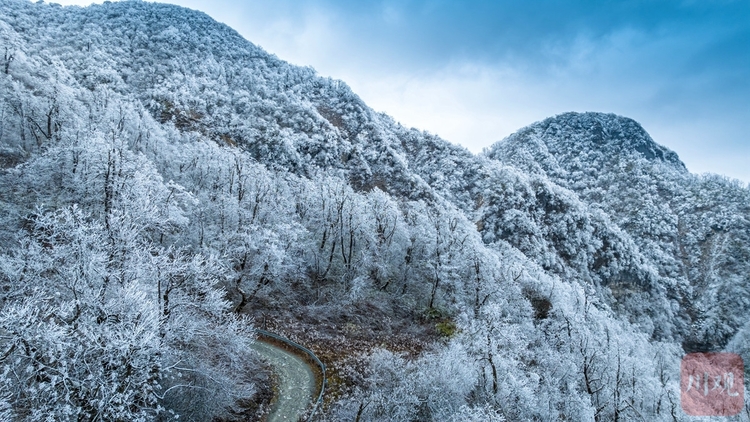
693,229
287,118
203,77
552,226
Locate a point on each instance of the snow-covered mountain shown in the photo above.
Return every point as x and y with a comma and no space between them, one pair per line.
165,184
693,230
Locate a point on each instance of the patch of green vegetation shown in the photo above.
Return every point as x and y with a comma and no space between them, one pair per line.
434,313
446,328
444,325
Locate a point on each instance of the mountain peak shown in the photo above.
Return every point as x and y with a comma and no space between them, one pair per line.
605,140
610,131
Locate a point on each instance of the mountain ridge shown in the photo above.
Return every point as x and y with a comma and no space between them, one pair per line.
572,134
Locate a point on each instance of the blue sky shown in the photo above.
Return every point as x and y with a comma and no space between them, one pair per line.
475,71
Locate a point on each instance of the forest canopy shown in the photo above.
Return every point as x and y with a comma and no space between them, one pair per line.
166,186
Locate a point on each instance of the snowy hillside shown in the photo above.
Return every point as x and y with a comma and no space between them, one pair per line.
693,230
165,186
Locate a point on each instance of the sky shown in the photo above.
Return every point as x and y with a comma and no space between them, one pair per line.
474,72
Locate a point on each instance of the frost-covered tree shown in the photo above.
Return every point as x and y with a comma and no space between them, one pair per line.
161,178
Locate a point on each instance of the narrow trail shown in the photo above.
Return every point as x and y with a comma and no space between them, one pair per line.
297,385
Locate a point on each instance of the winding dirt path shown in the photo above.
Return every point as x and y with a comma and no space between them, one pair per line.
297,385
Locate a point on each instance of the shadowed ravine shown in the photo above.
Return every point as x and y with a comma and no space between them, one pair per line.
296,382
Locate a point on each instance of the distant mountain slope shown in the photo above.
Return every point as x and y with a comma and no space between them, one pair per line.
693,229
569,146
551,225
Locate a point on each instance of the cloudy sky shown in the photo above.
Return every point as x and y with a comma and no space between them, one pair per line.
473,72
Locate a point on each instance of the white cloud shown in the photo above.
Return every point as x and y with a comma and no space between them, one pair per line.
471,105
